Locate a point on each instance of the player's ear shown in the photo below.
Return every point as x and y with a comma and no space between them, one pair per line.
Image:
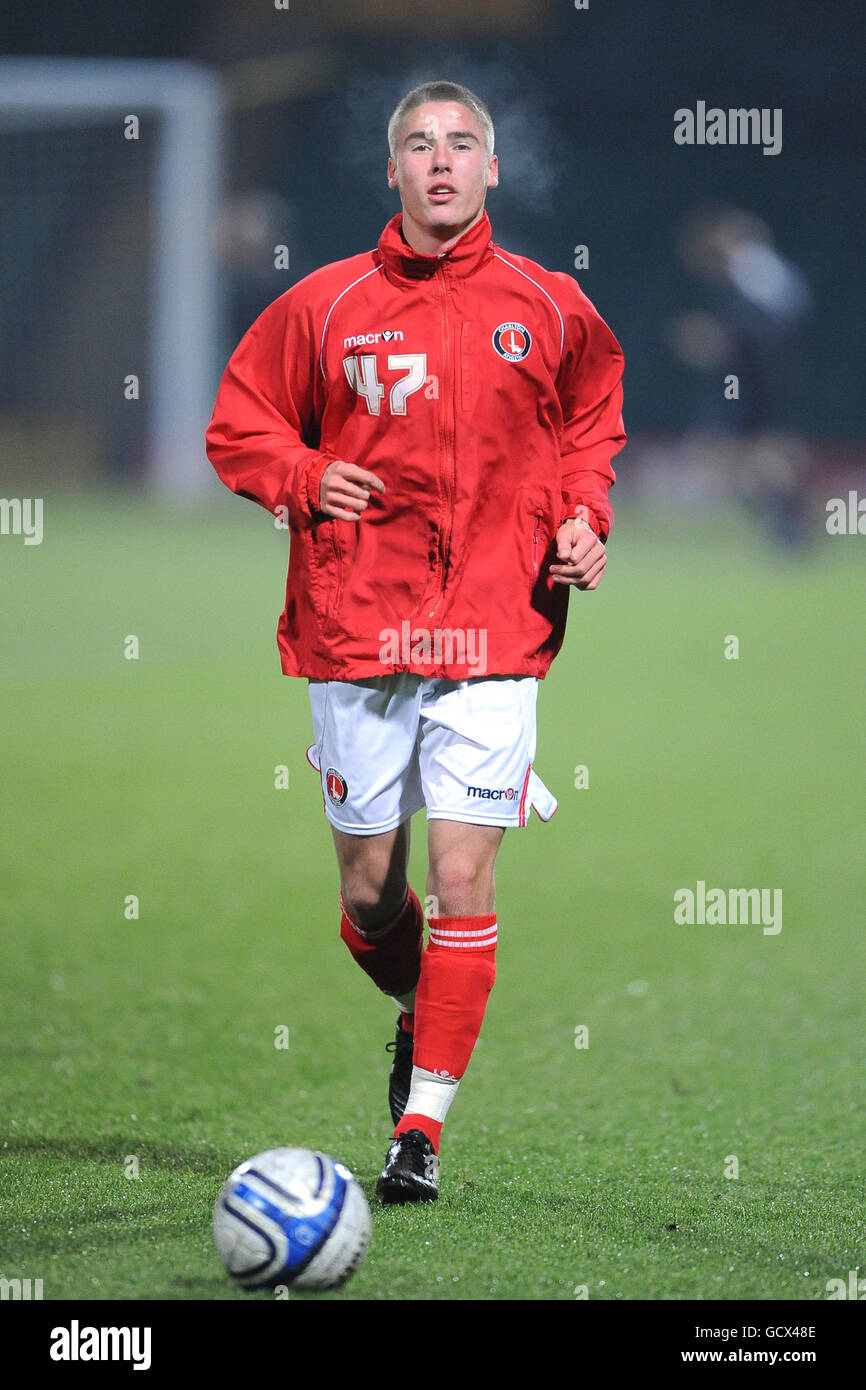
392,174
493,172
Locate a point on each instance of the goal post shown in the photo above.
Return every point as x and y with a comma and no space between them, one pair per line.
184,333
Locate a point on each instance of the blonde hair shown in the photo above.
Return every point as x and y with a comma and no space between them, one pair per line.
441,91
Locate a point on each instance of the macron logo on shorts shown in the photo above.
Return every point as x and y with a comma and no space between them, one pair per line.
494,793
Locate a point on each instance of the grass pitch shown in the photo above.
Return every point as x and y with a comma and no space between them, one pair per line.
138,1054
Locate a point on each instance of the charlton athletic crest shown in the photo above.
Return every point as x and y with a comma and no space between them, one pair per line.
512,341
338,787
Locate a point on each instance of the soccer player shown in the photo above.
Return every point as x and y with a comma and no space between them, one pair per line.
436,418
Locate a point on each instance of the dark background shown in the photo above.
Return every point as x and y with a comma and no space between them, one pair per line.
583,104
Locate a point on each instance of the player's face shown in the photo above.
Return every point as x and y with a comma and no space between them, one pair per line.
442,169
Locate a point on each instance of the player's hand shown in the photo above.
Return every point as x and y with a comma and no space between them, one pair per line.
581,553
345,490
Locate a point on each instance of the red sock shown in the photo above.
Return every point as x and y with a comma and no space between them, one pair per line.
432,1128
458,969
390,953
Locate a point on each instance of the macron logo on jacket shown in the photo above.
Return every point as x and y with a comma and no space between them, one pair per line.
362,339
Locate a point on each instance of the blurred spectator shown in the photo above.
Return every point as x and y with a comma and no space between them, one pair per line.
253,228
749,328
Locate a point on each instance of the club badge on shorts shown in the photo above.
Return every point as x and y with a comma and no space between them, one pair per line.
338,787
512,341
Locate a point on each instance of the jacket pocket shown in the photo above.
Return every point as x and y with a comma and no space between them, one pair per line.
466,367
325,573
538,545
538,528
337,589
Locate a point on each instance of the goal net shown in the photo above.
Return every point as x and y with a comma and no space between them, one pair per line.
109,355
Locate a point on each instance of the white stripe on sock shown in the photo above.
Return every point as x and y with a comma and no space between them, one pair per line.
476,940
405,1002
431,1095
476,931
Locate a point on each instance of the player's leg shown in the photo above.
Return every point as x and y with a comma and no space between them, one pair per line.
458,968
382,925
477,746
365,752
382,919
373,872
461,860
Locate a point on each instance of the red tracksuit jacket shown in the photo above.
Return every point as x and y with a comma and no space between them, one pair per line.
486,393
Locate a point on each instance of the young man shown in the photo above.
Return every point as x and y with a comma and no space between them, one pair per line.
437,419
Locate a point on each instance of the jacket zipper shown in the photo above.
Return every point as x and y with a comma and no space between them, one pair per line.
535,532
449,475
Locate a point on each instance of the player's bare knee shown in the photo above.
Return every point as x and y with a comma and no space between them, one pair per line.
373,874
460,880
371,901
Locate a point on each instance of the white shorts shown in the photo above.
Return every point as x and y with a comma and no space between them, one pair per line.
389,745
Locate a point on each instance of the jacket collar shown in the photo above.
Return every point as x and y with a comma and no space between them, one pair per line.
472,250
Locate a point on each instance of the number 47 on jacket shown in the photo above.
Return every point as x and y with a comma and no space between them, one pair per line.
362,377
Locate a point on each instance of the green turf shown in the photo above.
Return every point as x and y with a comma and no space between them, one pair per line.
600,1167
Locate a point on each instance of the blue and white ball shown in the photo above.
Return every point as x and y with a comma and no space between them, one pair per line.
293,1217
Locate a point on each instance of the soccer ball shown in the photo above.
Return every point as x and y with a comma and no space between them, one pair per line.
294,1217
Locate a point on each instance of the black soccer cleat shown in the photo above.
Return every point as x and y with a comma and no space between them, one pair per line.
400,1080
411,1170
